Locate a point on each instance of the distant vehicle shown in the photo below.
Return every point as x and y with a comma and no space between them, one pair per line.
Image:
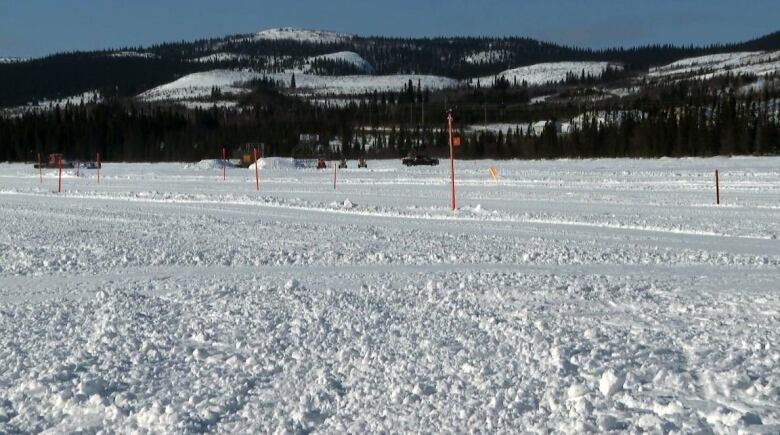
362,163
343,164
420,161
321,164
57,159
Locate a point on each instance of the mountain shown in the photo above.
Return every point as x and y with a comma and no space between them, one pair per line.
279,53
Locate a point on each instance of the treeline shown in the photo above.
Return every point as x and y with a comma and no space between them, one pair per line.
718,117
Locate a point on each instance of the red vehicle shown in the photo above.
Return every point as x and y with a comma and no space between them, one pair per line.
321,164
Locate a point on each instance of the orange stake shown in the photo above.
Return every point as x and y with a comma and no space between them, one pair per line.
452,162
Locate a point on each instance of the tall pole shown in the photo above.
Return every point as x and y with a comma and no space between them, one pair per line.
40,168
59,177
452,161
334,175
257,172
717,188
224,165
98,168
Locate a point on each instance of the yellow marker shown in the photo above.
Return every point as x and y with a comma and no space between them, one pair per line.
493,172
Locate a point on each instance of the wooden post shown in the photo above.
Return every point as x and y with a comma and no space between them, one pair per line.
59,178
452,162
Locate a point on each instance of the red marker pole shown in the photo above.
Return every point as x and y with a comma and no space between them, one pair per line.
334,175
224,165
59,178
717,188
257,172
40,168
452,162
98,168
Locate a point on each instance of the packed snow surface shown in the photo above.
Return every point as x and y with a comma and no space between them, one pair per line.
566,297
550,72
302,35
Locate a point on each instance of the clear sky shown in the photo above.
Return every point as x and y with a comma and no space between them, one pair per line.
30,28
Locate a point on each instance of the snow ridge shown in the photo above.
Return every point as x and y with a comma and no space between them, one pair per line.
302,35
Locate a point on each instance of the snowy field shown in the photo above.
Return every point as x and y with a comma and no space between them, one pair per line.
568,296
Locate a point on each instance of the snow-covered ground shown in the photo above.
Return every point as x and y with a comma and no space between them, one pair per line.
568,296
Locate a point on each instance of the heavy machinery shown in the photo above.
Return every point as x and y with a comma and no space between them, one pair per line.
362,163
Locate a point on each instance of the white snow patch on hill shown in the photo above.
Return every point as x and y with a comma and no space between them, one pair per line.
702,67
488,56
200,85
550,72
348,57
44,105
352,85
137,54
13,59
220,57
302,35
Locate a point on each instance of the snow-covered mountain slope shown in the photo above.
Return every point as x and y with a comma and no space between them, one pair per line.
309,84
489,56
220,57
550,72
45,105
133,54
13,59
348,57
703,67
302,35
200,85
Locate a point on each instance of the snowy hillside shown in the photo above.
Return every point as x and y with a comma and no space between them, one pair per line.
13,59
351,85
703,67
550,72
220,57
200,85
133,54
489,56
302,35
347,57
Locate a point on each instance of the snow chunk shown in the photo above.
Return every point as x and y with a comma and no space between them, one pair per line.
611,383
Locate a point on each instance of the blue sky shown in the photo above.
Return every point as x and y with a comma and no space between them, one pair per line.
38,27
